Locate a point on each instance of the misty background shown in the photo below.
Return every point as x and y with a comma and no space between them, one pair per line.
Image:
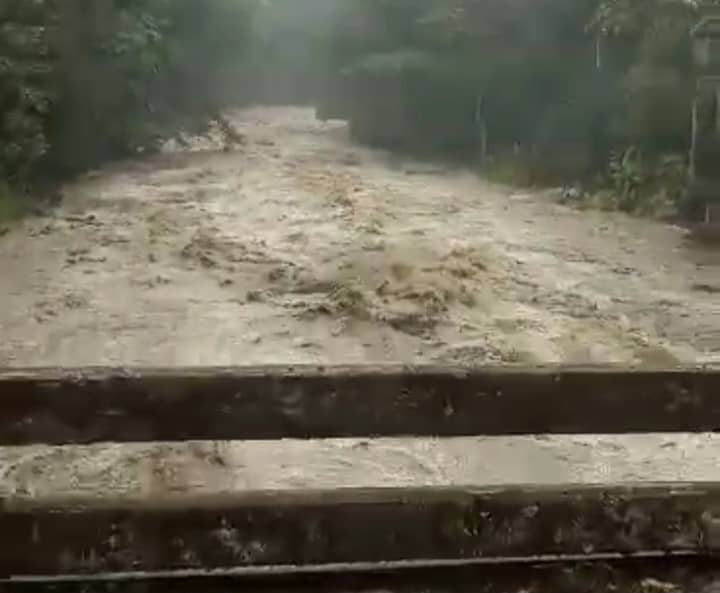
547,91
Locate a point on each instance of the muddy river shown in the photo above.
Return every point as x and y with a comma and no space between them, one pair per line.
299,246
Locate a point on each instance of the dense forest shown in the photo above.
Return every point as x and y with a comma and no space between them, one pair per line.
598,91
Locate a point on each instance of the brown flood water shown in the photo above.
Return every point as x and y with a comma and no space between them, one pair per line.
302,247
